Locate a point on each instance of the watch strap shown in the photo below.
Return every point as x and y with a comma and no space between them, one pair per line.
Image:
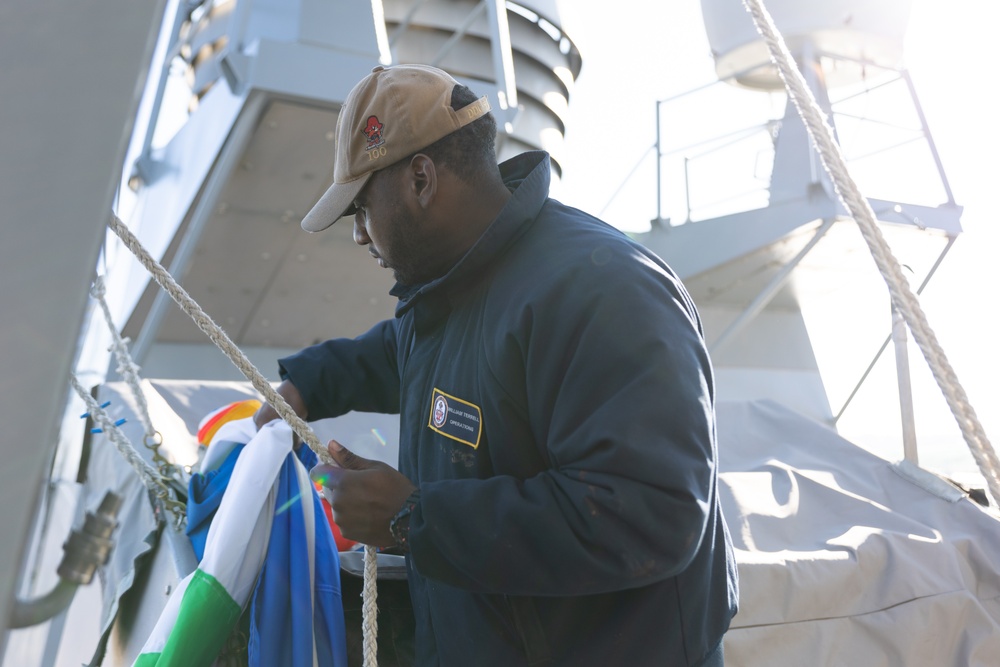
399,526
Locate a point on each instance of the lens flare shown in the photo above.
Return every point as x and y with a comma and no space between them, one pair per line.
287,504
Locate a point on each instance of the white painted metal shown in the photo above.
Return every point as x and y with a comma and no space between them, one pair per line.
906,413
72,77
457,36
734,263
245,262
858,32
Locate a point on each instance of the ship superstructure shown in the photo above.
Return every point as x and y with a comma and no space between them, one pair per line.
209,132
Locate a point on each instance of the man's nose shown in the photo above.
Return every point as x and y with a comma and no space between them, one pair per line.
360,233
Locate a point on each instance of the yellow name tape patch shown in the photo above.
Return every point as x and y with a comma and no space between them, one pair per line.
456,419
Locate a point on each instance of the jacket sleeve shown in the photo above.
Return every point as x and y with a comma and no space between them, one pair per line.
619,396
343,374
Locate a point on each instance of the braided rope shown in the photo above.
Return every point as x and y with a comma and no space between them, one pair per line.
902,296
149,475
260,383
369,610
129,370
219,337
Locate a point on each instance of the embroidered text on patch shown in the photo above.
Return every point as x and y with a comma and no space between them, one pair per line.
456,419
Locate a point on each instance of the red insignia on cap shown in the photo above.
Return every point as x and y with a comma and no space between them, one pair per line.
373,130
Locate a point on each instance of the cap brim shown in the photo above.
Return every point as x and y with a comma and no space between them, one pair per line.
335,203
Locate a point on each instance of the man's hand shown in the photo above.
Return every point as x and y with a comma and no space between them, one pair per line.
291,395
365,495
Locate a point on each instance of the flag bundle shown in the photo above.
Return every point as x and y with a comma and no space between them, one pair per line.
268,564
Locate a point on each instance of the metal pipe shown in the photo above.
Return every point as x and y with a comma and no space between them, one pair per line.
884,149
734,75
885,343
503,56
811,69
381,33
658,220
905,388
717,143
876,121
404,23
26,613
927,133
868,89
626,180
459,33
182,10
687,189
85,551
769,292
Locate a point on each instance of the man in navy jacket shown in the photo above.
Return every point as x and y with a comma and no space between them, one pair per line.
557,492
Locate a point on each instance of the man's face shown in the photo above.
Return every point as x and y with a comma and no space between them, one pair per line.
393,235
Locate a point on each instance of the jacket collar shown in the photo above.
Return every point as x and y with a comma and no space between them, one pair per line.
527,176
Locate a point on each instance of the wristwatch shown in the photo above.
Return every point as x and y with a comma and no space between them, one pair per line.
399,526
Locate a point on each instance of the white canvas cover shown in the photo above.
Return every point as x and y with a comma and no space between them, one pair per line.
848,559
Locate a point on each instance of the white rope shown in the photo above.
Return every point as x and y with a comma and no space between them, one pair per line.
127,368
903,297
260,383
149,475
219,337
369,610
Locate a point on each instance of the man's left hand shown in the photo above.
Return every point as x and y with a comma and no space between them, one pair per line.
365,495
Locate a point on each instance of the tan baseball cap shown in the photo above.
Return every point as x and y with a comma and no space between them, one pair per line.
391,114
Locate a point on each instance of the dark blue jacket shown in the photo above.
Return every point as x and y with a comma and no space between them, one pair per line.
556,406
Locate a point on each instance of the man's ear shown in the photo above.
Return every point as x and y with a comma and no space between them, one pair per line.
423,180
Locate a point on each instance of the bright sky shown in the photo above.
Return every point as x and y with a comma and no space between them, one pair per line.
632,58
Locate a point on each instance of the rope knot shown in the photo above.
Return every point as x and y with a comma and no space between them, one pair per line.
98,290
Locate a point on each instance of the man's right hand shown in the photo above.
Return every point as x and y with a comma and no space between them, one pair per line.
291,395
